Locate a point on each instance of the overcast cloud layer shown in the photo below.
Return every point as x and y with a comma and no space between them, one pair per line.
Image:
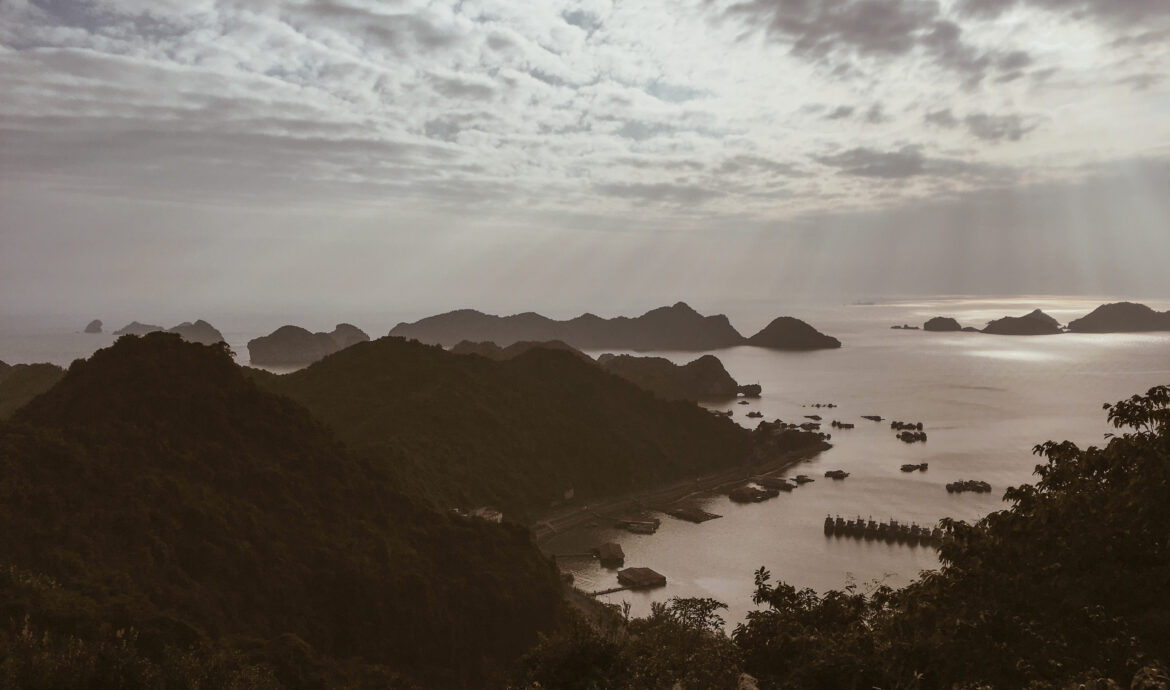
224,150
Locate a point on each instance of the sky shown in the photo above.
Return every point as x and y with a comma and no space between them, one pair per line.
596,155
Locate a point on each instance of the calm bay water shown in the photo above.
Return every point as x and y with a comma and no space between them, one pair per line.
985,402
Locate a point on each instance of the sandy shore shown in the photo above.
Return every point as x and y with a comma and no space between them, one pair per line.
662,497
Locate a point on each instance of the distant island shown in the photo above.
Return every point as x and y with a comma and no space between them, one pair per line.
135,328
678,327
788,333
941,323
1117,317
198,332
1121,317
1033,323
94,326
293,345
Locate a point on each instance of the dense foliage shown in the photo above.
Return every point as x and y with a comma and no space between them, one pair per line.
160,514
20,383
680,644
1071,584
467,431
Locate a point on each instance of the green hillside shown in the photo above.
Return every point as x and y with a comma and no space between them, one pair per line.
466,431
156,489
20,383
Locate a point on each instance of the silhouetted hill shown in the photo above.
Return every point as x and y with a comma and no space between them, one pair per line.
941,323
493,351
667,328
294,346
1034,323
702,379
159,489
199,332
788,333
1121,317
516,434
135,328
20,383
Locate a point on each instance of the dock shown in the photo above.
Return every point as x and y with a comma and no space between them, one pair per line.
691,514
890,532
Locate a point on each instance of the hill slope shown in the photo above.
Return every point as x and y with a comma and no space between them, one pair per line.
789,333
466,431
20,383
163,490
1121,317
1035,322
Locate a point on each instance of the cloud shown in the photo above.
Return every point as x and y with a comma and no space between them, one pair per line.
460,87
876,114
660,192
1118,12
942,118
641,131
985,126
524,108
998,127
840,112
842,30
905,162
757,164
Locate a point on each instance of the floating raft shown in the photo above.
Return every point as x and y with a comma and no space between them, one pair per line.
962,485
751,494
891,532
640,526
610,554
640,578
691,514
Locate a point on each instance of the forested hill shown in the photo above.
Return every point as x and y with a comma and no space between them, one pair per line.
232,539
516,434
20,383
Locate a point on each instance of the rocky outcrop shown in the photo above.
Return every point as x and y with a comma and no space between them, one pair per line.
135,328
94,326
702,379
1033,323
788,333
750,390
295,346
199,332
1121,317
677,327
941,323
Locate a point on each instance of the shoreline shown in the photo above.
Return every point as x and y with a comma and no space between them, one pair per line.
655,498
